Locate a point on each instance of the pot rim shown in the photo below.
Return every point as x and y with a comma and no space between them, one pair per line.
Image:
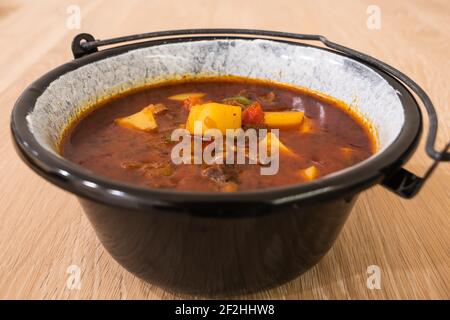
81,182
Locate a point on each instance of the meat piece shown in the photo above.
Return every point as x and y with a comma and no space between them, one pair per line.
268,98
221,173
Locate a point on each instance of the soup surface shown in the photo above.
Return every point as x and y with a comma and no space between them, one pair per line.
317,135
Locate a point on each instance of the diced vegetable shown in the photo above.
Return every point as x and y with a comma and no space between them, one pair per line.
240,100
283,120
214,116
270,139
186,95
157,108
253,115
309,173
194,115
142,120
307,125
192,101
229,187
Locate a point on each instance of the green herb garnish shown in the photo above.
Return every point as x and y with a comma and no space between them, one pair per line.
238,99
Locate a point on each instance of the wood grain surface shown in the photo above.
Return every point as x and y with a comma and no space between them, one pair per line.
43,230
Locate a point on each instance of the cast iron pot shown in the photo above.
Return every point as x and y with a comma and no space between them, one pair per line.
217,243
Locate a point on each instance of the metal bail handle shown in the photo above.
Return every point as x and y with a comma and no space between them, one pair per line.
77,45
402,182
406,184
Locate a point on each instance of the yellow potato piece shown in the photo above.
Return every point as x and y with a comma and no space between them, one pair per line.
307,126
184,96
194,115
270,139
142,120
309,173
214,116
156,108
283,120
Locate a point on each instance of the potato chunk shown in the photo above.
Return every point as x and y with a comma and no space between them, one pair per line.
214,116
283,120
309,173
156,108
142,120
307,126
186,95
271,139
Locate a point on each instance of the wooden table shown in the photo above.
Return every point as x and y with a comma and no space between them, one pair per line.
43,230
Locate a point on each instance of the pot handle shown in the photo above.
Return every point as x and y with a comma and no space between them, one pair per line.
402,182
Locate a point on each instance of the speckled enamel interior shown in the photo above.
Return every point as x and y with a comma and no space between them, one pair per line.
329,73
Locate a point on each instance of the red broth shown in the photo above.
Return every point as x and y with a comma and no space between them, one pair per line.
330,138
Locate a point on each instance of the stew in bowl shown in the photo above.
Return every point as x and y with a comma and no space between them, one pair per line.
129,137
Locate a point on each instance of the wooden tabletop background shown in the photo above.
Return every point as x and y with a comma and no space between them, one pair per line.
43,230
